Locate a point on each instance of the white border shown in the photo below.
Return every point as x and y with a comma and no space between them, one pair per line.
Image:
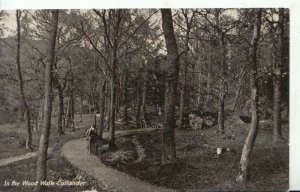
294,43
88,4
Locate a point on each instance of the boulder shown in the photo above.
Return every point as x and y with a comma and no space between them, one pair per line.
202,121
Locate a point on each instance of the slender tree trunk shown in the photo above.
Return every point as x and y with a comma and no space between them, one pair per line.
95,114
221,110
21,83
168,135
277,132
90,104
72,109
221,113
125,100
81,107
184,81
138,108
102,110
144,95
112,145
68,114
107,94
237,93
60,113
250,140
41,115
44,140
208,83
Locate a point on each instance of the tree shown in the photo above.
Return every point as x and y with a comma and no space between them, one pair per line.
250,140
277,73
21,83
44,140
168,134
188,22
218,24
116,38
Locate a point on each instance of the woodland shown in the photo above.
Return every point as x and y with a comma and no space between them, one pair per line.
213,84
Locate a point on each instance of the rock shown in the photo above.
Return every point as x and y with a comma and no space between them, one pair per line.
245,119
206,145
121,156
219,151
201,121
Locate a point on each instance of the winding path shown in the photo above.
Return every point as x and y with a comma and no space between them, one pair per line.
76,152
9,160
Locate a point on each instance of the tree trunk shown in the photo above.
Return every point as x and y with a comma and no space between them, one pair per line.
250,140
90,108
95,114
144,95
221,113
125,101
184,81
102,110
138,108
44,140
68,114
277,132
208,83
112,145
21,83
221,110
81,107
60,113
107,94
168,135
72,109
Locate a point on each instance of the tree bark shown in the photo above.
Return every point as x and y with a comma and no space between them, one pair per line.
168,135
72,109
221,113
222,93
102,110
208,82
44,140
250,140
21,83
184,81
68,114
112,145
60,113
138,108
107,94
81,107
277,132
125,100
143,101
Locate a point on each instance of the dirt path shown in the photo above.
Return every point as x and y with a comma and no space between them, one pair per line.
6,161
76,152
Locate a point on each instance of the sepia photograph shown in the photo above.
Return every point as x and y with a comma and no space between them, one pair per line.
145,99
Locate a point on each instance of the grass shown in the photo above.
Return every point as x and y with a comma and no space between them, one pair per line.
200,168
58,168
13,136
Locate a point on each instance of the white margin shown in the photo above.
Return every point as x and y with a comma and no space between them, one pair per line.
294,44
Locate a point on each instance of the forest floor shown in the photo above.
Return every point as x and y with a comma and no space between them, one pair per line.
113,180
58,168
13,136
199,167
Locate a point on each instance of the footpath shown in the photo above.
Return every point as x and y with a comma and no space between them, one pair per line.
76,152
